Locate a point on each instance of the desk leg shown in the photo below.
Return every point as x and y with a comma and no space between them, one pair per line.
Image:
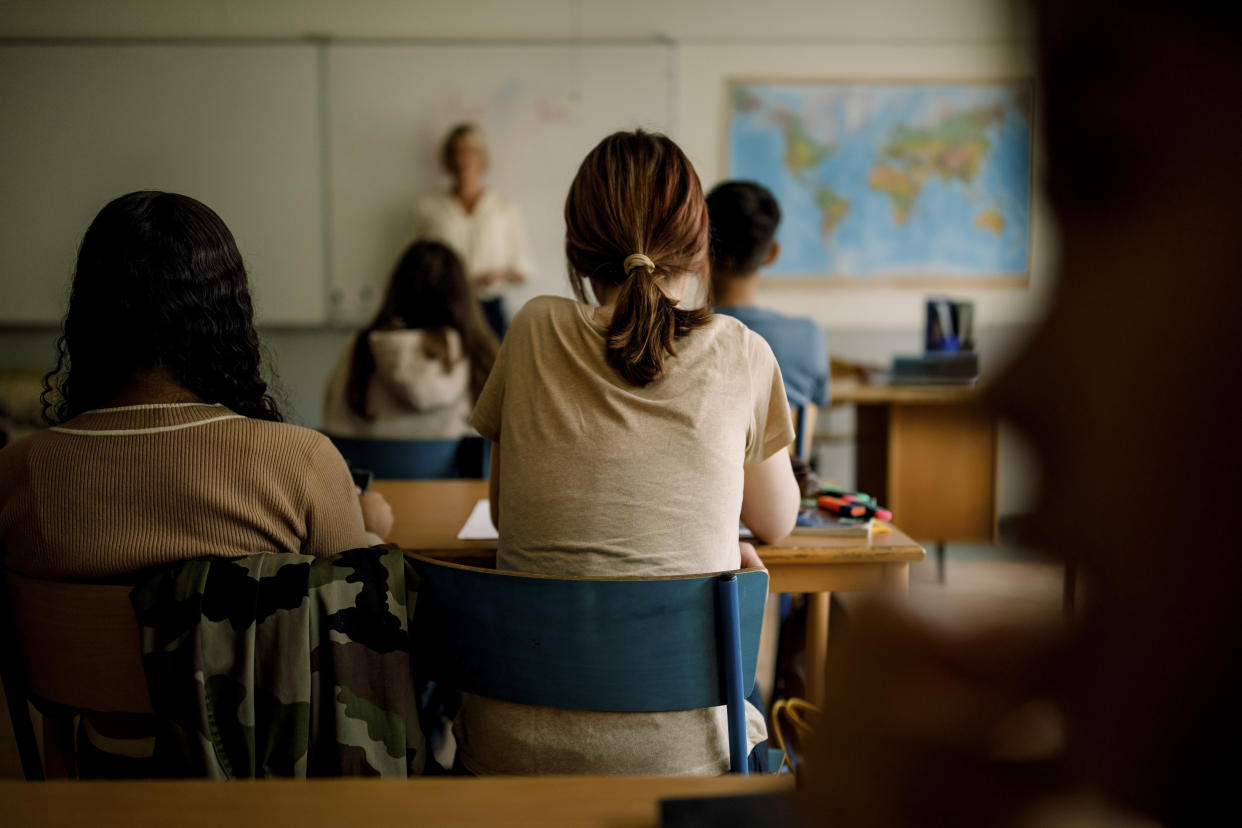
817,607
897,577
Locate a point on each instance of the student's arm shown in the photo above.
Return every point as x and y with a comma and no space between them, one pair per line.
486,420
493,486
377,514
770,495
333,512
770,498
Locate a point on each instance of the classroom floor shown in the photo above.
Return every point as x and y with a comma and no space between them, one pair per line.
989,583
983,584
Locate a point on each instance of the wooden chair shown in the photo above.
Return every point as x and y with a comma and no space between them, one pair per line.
468,457
66,647
626,645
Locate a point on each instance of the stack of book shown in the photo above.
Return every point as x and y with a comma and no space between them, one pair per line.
840,514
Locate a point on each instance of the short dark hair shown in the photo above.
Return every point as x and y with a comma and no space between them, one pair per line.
744,217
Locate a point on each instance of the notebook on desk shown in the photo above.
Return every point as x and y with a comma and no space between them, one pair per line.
479,525
813,520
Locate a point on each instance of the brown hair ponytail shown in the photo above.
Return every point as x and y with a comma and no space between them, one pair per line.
637,193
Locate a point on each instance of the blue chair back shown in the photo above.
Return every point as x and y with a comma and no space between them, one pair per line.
625,645
417,459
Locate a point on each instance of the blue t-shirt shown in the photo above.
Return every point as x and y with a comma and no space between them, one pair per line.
799,347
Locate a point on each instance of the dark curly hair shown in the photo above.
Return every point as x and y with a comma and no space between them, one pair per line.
159,283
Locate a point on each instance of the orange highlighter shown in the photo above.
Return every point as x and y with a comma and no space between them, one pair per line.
841,507
845,508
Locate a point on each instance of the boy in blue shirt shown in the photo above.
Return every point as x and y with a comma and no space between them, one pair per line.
744,217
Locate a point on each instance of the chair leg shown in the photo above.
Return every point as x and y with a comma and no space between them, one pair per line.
818,619
58,748
13,681
24,735
730,645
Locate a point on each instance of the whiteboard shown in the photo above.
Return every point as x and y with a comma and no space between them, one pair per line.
235,126
542,107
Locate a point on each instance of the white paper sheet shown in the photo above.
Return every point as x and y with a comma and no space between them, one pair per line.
479,525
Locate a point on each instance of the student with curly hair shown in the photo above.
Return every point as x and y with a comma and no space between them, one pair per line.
165,443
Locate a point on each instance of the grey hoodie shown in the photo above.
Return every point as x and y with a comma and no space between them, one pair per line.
411,396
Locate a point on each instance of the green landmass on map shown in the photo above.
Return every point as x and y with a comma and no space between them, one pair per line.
951,149
832,208
802,152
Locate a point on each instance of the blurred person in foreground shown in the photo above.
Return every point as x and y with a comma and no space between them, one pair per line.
1132,706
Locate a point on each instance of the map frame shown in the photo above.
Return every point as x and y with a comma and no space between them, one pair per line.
895,280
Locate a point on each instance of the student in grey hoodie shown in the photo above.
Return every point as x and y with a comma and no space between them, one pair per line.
416,370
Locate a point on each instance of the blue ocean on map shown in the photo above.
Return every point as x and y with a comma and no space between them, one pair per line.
890,180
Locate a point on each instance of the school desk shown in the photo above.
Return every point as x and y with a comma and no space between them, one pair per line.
928,453
429,513
428,801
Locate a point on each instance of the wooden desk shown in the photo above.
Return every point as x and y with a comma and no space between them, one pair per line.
929,453
429,513
427,801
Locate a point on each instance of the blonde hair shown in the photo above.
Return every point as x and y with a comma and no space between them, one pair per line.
464,131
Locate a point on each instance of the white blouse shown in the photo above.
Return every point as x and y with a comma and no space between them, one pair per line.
492,237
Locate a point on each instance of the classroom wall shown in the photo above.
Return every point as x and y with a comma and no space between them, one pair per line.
714,39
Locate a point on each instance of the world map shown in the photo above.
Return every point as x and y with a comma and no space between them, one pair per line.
887,180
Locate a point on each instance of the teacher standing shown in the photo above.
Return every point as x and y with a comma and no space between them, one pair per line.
481,226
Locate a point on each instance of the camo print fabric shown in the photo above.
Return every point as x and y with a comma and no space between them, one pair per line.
281,665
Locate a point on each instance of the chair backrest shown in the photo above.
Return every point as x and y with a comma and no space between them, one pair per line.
804,417
627,645
66,647
416,459
78,644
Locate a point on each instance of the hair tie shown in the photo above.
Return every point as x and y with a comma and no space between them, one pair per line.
637,260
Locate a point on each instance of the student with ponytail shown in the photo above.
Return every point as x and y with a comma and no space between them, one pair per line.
631,434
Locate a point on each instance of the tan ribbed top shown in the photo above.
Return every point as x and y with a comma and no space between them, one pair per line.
120,489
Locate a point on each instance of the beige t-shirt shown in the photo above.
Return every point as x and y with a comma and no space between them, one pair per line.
603,478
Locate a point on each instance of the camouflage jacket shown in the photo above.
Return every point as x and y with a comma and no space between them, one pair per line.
281,665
